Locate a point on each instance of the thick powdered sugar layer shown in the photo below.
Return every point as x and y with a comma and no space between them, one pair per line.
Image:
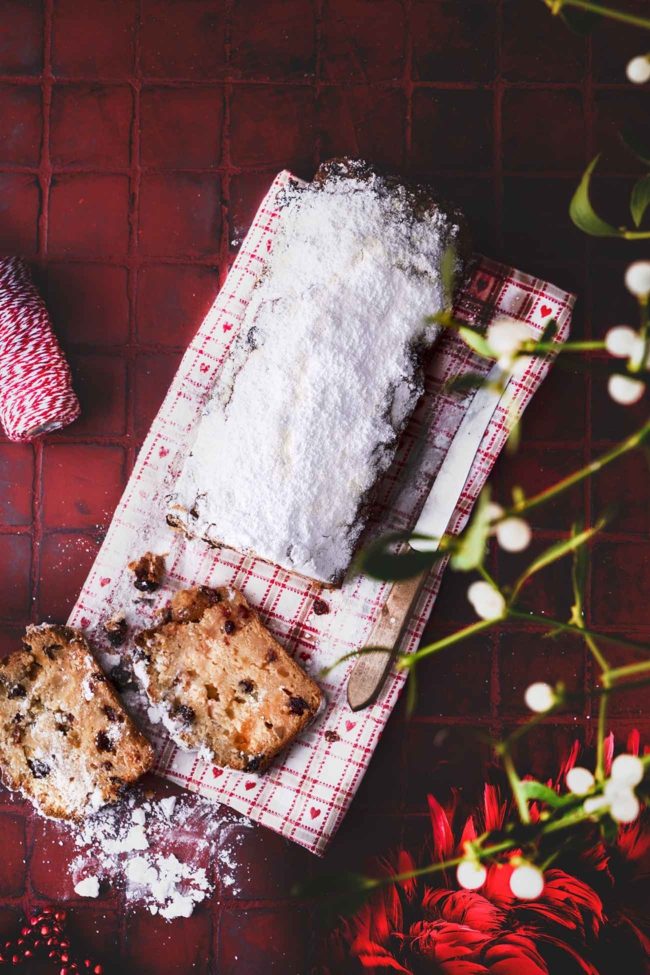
298,433
162,853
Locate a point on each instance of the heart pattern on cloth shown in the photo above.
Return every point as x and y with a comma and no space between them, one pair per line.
104,582
216,772
250,785
227,326
545,311
204,367
163,452
305,656
314,812
84,621
349,725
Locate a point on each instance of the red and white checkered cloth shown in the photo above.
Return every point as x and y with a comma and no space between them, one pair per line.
306,793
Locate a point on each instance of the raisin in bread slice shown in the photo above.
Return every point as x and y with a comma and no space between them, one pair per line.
220,683
65,740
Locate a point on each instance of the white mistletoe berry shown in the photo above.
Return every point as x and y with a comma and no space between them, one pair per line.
514,534
487,601
625,390
625,807
505,336
493,511
622,341
638,69
637,278
579,780
540,697
627,770
470,875
527,882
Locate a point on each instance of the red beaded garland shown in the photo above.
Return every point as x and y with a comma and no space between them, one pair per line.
41,932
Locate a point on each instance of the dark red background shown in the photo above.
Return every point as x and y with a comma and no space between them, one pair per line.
136,139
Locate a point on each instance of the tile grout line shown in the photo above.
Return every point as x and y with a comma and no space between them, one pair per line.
45,178
216,905
130,349
495,699
589,726
409,86
441,84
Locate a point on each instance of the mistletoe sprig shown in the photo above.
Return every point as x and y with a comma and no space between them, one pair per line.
547,821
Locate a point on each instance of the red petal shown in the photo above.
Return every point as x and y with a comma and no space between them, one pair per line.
493,810
371,955
634,742
405,864
608,753
514,954
443,838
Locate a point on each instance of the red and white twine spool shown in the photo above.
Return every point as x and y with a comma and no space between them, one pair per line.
36,394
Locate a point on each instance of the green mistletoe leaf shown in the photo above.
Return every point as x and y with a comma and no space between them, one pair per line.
640,199
475,341
473,542
583,214
550,331
377,559
531,789
468,380
448,266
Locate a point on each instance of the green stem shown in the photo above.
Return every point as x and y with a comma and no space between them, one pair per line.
624,447
635,234
551,624
482,854
591,346
595,652
551,556
629,670
555,6
600,742
571,820
515,785
644,332
486,575
407,661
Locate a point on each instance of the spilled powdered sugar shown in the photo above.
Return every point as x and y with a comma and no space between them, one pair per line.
306,416
165,854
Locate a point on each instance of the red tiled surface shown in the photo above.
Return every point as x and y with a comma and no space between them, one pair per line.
136,138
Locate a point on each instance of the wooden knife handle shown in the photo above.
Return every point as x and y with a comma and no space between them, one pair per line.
371,669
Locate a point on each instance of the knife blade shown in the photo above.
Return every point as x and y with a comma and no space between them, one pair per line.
371,669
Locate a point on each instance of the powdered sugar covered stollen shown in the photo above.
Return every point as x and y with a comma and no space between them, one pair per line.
306,792
326,377
36,394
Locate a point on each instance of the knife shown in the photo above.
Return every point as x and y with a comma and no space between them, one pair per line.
371,669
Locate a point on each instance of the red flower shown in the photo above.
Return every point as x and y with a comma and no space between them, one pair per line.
580,925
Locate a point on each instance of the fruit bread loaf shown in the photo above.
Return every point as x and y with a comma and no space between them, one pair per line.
65,740
324,372
220,683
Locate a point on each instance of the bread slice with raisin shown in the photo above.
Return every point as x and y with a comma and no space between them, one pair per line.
65,740
220,683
